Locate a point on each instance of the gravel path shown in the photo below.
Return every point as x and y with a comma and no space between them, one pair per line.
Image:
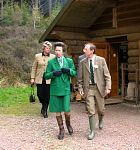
121,131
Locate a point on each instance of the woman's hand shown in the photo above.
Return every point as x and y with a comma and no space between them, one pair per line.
32,81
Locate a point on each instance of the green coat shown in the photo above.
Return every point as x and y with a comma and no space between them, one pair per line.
60,86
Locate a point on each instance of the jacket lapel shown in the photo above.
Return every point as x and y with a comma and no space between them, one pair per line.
86,64
96,63
65,62
57,63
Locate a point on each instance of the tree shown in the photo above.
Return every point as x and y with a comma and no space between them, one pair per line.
1,9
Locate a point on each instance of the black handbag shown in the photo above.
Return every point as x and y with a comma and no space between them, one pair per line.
32,96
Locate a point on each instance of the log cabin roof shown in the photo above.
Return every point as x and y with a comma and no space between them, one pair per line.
76,19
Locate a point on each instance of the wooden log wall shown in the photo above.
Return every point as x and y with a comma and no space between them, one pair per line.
128,24
75,46
127,14
133,55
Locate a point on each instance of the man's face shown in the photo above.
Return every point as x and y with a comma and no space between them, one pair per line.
58,51
46,49
87,50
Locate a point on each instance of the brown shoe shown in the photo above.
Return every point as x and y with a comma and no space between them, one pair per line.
68,124
61,127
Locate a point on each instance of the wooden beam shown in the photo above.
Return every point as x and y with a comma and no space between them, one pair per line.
75,42
87,1
133,52
128,3
133,60
115,32
133,37
133,45
114,18
132,67
70,35
71,29
132,76
129,21
128,14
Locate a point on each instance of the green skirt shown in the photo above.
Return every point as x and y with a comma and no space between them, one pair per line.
59,103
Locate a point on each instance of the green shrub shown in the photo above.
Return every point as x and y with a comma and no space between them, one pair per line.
7,13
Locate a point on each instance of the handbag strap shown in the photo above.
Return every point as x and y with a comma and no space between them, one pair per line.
32,89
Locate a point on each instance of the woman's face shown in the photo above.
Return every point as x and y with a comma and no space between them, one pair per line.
58,51
46,49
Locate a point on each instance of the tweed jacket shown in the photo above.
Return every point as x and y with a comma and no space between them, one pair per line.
39,67
60,86
79,59
101,75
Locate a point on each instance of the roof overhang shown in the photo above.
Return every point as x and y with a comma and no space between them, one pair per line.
75,19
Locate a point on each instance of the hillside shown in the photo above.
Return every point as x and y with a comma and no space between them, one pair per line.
17,48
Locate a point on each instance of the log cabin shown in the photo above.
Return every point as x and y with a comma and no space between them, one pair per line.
114,27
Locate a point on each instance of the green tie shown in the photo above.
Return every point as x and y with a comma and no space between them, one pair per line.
91,73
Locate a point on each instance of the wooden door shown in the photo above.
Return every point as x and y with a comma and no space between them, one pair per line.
102,50
105,50
114,70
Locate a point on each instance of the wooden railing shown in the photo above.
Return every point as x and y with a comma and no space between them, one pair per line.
124,86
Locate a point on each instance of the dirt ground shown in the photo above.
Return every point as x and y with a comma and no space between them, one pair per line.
121,131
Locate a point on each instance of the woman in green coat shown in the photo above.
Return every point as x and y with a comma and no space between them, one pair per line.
60,70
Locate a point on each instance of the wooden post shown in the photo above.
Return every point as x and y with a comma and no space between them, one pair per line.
138,78
137,86
123,81
114,18
139,60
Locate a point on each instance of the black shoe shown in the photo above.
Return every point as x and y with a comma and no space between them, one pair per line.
41,111
45,115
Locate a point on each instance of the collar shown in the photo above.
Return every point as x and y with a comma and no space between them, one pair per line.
93,58
60,57
45,55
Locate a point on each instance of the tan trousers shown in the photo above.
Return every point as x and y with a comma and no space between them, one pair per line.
94,101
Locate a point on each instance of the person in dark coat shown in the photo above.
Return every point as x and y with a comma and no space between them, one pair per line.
60,70
38,69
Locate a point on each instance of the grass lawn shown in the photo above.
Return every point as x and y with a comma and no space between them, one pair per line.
15,101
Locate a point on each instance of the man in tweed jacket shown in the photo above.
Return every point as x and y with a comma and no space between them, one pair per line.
94,91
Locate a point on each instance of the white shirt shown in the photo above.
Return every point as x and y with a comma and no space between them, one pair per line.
60,60
93,59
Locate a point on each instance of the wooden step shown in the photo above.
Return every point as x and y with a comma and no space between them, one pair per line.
113,100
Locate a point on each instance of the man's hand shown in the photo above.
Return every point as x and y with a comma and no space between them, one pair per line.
65,70
107,91
57,73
